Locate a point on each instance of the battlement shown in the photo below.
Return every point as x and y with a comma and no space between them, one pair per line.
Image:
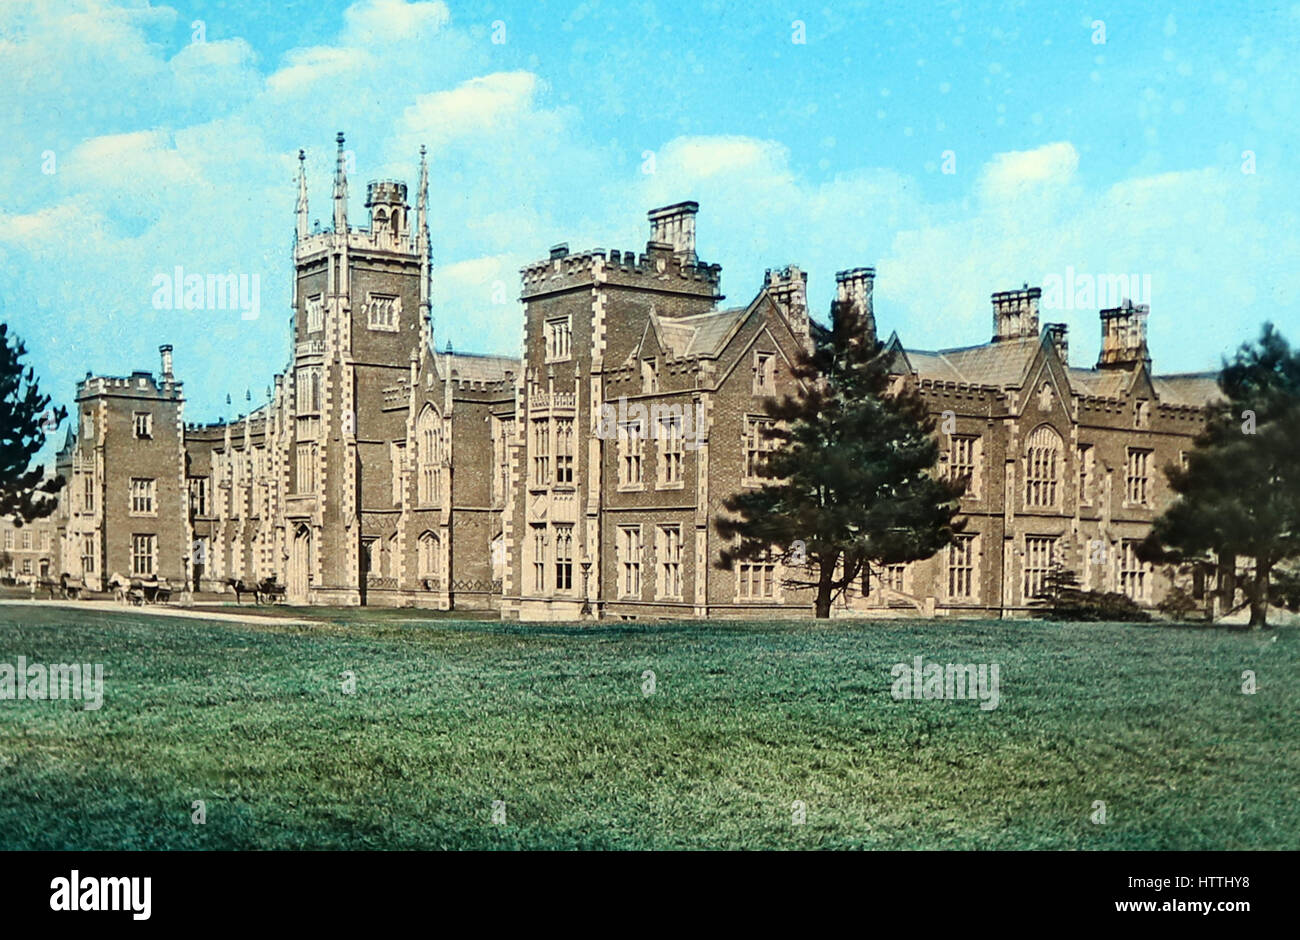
669,256
139,384
563,270
385,193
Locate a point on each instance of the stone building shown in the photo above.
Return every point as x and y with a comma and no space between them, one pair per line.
123,509
584,478
29,553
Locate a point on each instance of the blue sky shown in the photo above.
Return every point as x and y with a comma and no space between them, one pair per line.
1127,156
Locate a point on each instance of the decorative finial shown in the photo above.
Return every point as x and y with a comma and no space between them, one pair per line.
302,194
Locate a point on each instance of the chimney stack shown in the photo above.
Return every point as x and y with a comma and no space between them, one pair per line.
1057,333
1015,313
1124,336
788,289
675,226
166,352
856,287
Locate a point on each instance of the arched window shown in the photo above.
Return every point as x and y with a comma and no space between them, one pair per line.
428,555
1043,467
428,440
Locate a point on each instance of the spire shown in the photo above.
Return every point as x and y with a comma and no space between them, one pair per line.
422,204
302,195
340,192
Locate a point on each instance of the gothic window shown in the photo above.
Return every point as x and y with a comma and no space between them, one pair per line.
383,311
1042,468
315,313
1138,477
559,339
428,437
428,546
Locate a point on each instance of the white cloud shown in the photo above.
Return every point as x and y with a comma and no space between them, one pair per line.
1010,173
385,21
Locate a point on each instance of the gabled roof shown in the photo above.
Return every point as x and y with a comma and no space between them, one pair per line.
703,334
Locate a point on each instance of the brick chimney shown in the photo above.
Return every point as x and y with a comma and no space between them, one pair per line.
855,287
1057,333
788,289
1124,336
166,353
675,225
1015,313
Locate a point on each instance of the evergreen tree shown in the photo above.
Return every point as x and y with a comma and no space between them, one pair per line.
25,495
850,480
1239,494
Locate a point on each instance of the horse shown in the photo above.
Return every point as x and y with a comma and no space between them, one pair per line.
120,586
240,589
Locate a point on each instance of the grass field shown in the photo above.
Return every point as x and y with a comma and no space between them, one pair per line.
448,716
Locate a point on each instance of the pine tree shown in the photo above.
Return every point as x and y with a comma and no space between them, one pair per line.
1239,494
25,495
850,480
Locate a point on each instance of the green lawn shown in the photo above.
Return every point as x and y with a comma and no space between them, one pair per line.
449,716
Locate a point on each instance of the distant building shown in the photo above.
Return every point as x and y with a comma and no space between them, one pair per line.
586,476
29,552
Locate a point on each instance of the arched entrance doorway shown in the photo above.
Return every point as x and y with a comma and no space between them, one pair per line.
299,566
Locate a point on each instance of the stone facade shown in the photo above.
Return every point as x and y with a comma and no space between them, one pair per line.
30,553
584,478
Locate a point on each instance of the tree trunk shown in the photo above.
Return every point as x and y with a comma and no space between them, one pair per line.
1259,595
825,591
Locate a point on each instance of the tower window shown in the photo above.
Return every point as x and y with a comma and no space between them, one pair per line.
559,339
143,425
315,314
143,550
142,497
383,311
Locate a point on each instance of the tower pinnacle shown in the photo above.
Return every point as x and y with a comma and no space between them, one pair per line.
302,195
422,203
340,191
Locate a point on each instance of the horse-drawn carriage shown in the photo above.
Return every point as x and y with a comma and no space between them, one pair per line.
266,591
140,590
68,587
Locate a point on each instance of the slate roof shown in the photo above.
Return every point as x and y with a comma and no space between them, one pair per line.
1188,388
475,367
702,334
997,364
1004,365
